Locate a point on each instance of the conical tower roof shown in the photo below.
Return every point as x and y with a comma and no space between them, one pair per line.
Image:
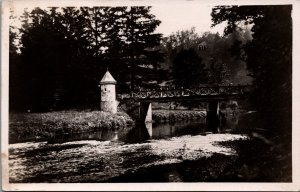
107,79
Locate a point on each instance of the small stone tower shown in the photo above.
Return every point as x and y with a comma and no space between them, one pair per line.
108,93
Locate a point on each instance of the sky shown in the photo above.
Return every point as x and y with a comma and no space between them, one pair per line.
185,16
175,16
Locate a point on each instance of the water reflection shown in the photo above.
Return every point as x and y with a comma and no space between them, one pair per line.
226,123
175,129
145,131
103,135
149,128
232,122
140,133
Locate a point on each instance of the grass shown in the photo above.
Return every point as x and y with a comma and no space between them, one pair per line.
176,115
35,126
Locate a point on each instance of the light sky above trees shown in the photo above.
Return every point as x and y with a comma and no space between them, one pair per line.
174,16
177,17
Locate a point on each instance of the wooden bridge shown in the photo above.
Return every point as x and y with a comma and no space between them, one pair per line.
204,93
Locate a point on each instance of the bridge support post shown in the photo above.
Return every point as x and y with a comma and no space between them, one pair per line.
145,112
149,128
145,116
212,118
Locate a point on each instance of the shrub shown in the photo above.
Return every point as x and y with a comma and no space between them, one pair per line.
176,115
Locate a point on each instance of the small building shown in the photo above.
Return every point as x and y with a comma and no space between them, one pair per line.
108,93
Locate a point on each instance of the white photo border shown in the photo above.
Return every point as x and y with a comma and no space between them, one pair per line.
293,186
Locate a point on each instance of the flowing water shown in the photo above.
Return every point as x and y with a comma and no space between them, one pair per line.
109,156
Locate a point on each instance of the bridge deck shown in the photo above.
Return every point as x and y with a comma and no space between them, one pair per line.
186,94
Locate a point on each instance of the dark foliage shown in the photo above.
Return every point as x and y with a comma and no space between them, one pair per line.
210,46
269,60
188,69
268,56
271,163
66,51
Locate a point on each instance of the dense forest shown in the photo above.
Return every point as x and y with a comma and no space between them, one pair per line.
65,51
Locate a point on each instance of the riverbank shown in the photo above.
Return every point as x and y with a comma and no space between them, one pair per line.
176,115
41,126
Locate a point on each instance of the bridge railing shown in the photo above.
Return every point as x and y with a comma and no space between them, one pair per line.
169,92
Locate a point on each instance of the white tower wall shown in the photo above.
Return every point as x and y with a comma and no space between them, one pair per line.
108,98
108,94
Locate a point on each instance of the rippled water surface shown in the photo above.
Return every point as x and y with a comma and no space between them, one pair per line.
88,157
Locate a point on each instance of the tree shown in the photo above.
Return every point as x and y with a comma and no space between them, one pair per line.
123,39
45,54
15,85
223,67
141,44
173,44
189,69
269,60
268,56
65,51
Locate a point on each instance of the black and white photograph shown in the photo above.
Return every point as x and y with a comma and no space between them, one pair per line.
194,94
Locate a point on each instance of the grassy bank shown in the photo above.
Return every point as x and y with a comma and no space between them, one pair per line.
36,126
176,115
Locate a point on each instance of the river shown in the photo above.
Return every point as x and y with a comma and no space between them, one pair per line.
165,152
